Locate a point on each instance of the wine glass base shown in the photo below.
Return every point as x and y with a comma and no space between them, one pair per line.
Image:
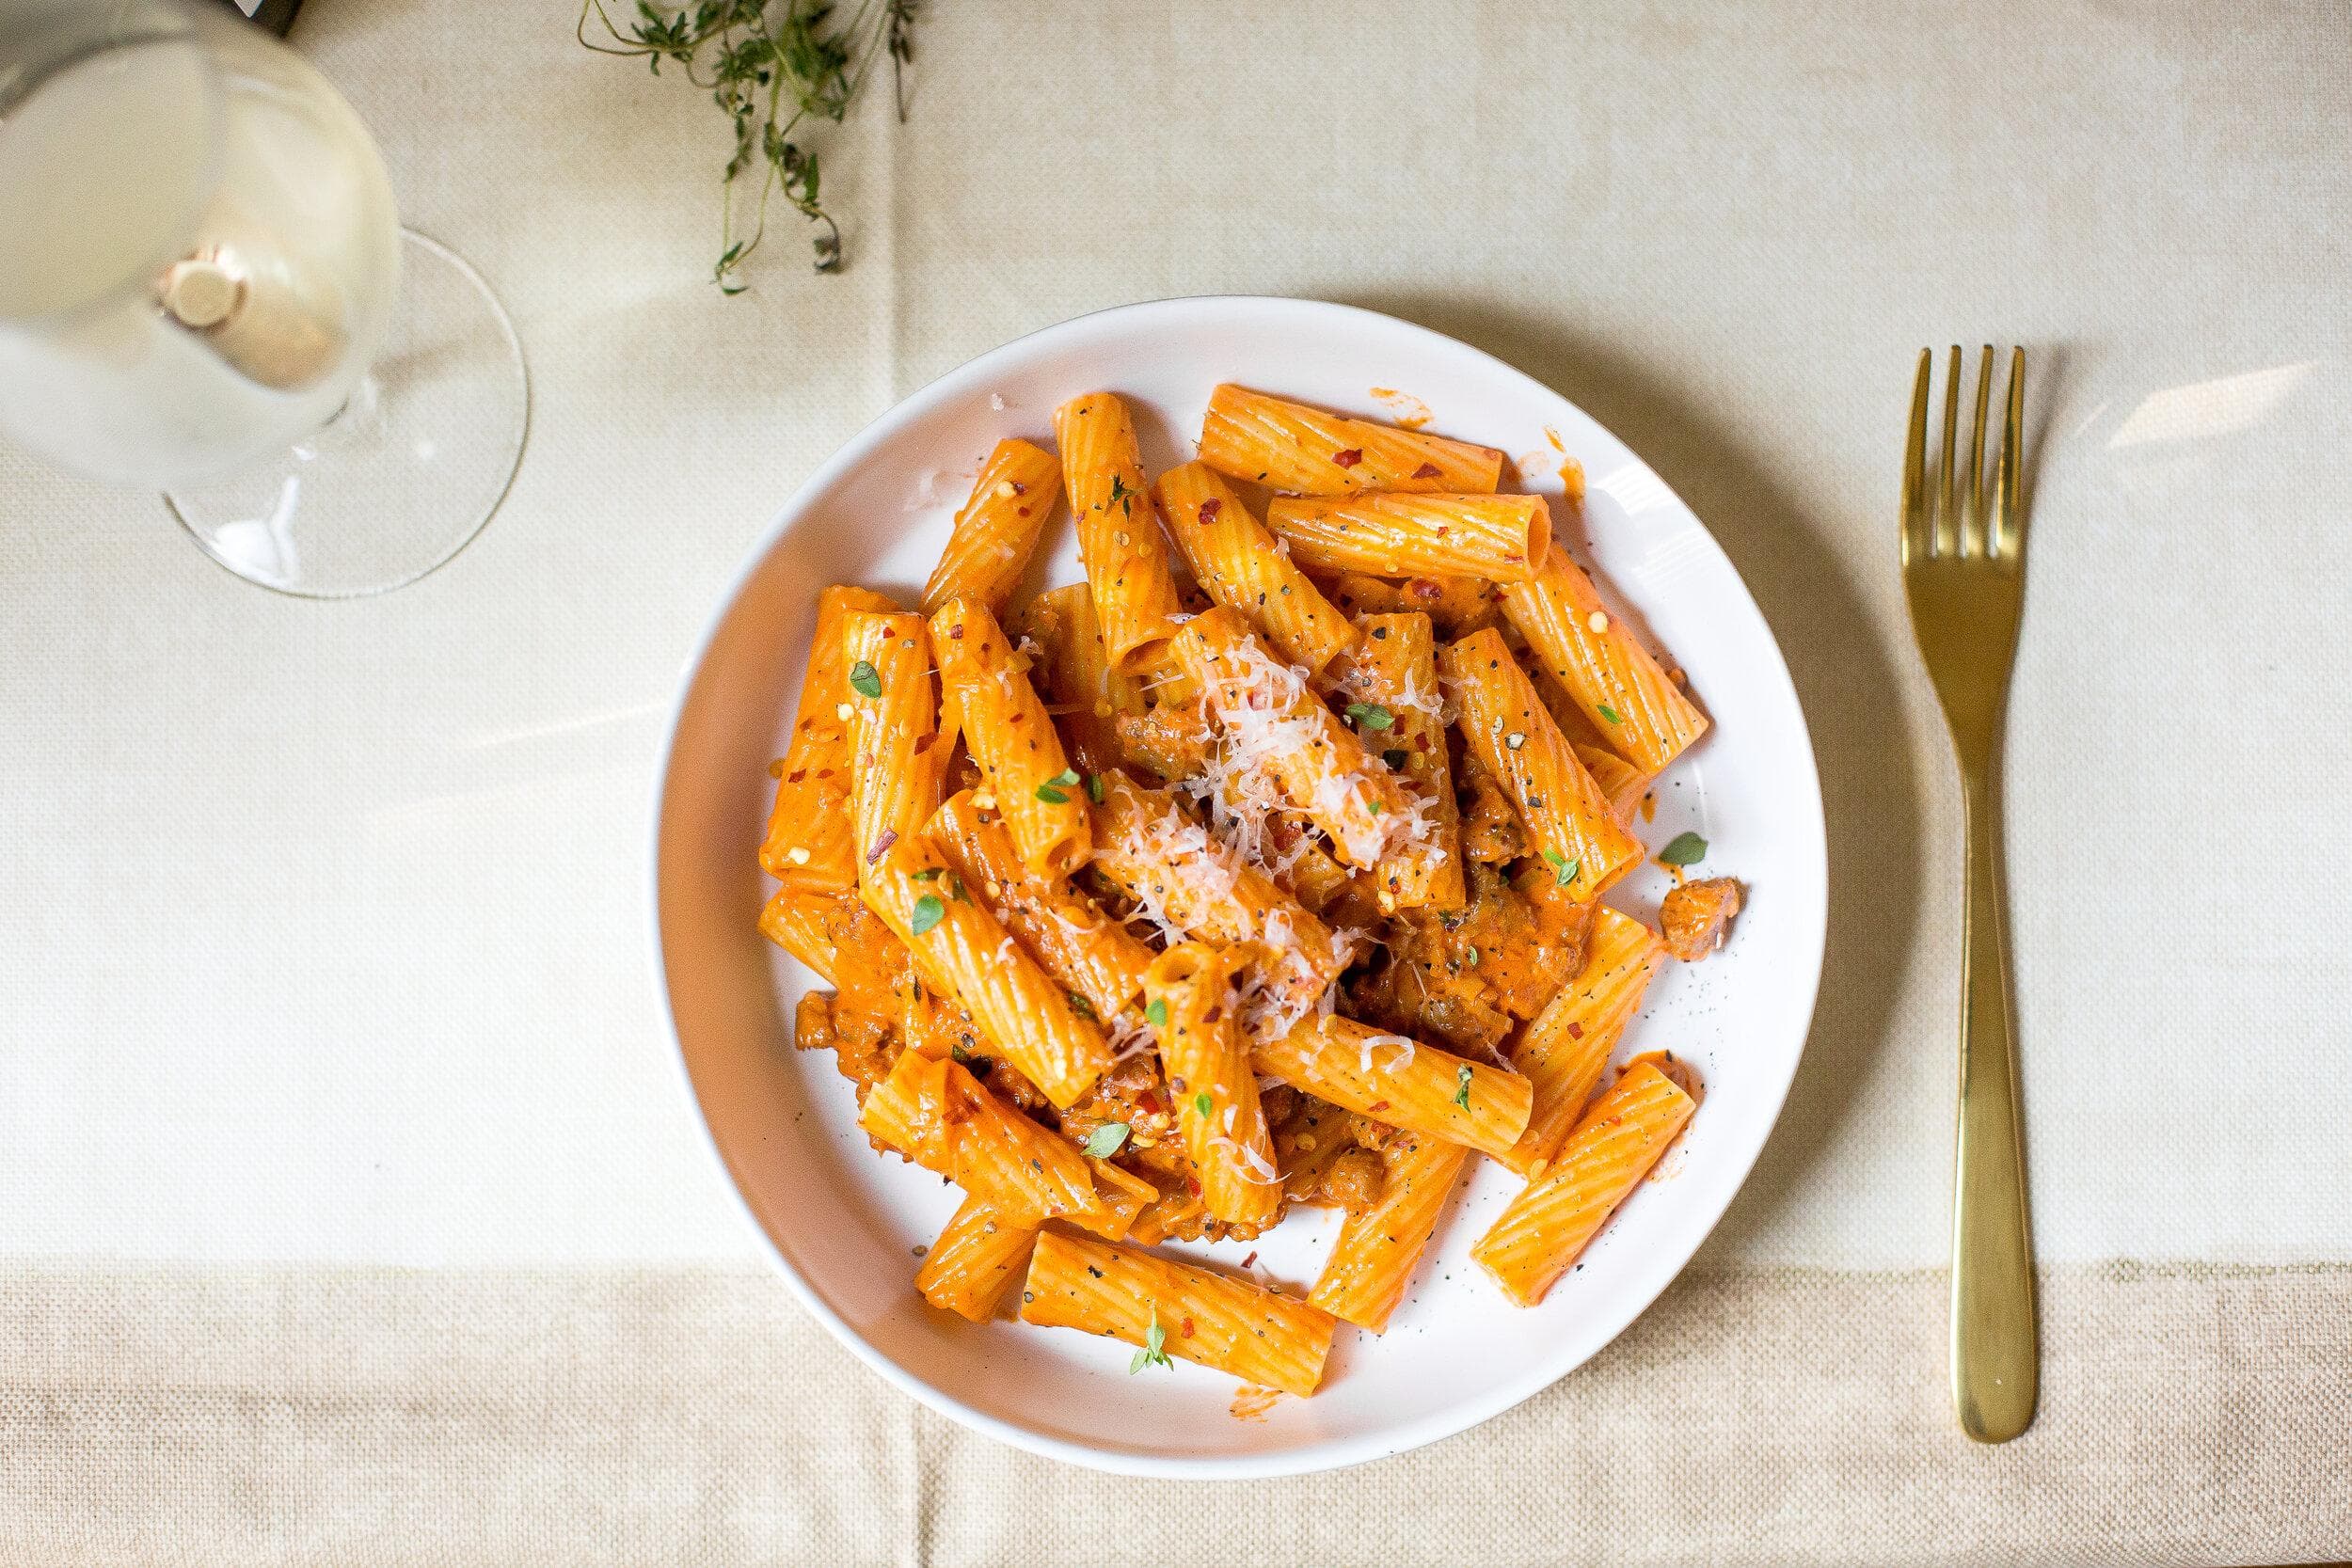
406,473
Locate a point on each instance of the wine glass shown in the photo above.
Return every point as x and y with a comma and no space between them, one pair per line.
204,288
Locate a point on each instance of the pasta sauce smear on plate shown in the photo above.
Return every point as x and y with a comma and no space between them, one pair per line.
1261,869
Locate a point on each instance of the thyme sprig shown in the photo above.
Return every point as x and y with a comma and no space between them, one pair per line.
769,65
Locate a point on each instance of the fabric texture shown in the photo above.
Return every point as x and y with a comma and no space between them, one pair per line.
393,1418
354,1212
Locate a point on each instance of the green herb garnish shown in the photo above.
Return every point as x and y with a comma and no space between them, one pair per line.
1686,849
1107,1140
1611,714
1080,1006
929,874
1051,791
1094,787
927,913
1563,870
1202,1103
1152,1354
1156,1013
1371,716
769,64
1461,1087
865,679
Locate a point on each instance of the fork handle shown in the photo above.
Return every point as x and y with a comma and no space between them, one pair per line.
1996,1372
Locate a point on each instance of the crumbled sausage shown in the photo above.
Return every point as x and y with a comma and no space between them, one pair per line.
1696,917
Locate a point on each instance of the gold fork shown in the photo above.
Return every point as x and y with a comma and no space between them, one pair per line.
1966,578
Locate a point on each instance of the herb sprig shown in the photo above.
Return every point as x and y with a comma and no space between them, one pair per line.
769,65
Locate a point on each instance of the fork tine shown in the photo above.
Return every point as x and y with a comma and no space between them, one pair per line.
2008,512
1978,522
1919,536
1951,535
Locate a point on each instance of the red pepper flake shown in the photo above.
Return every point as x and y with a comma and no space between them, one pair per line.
1194,1188
1209,509
1576,1030
1214,1014
1427,470
1022,510
824,772
882,845
1349,458
955,633
1018,488
1251,1258
923,742
796,775
1376,1105
1184,1328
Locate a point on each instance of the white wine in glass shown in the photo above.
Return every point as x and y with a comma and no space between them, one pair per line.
204,288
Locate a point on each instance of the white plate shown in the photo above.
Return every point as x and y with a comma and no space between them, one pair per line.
846,1223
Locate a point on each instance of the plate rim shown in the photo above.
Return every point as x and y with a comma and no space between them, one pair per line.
1306,1458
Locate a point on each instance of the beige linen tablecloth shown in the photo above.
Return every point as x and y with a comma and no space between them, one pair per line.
350,1211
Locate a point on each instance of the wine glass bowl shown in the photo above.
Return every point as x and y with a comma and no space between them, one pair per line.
205,288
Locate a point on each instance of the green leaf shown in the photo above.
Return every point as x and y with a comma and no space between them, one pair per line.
1611,714
864,680
1371,716
929,874
1686,849
1203,1104
1157,1013
1107,1139
1563,870
1153,1353
1094,787
1067,777
1461,1087
1080,1006
1051,796
927,913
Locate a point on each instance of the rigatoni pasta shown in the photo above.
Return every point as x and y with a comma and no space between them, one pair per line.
1195,1005
1400,1081
1567,816
1164,1308
808,843
1192,885
1089,691
1542,1231
1635,707
1094,956
1013,739
1276,728
960,948
1499,538
1185,907
1289,446
892,716
1246,569
1125,555
1391,676
974,1262
997,529
1379,1247
1565,1048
